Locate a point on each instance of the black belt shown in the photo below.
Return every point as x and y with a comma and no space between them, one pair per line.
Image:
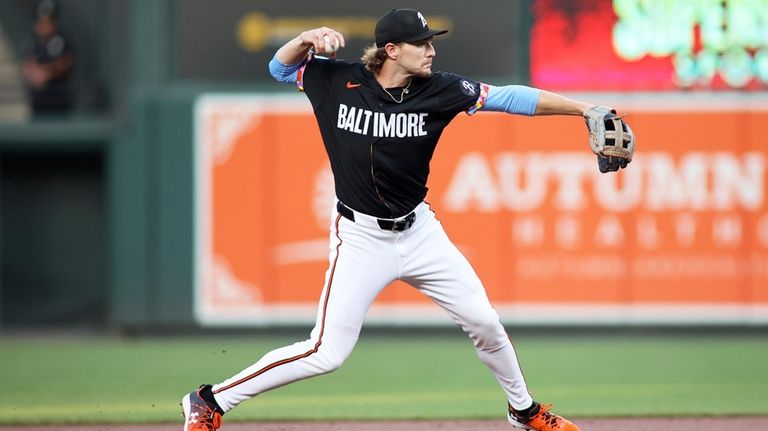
385,224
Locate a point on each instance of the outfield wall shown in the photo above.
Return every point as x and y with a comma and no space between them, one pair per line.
681,236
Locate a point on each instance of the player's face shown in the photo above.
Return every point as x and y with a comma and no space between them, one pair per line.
416,57
45,27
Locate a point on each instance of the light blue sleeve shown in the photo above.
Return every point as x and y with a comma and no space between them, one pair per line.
283,72
512,99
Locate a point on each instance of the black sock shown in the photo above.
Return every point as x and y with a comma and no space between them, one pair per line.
526,413
206,393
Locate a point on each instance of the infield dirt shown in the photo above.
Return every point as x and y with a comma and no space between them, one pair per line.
633,424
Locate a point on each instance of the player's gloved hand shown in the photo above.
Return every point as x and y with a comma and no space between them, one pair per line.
610,137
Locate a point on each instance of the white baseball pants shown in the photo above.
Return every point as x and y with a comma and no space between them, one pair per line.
363,260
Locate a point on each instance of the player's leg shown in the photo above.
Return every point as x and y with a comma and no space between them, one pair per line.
436,267
359,269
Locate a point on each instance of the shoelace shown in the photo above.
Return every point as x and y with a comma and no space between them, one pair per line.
548,418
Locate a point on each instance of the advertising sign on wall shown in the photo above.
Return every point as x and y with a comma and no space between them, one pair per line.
679,236
649,45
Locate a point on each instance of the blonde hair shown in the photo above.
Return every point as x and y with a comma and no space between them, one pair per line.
373,58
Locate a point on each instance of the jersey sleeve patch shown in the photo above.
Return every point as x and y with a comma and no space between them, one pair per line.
480,99
300,72
468,88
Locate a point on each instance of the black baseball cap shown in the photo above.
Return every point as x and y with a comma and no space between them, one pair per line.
403,25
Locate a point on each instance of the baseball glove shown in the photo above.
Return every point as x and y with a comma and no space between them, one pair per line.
610,138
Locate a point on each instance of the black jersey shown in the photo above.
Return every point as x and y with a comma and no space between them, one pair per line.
380,149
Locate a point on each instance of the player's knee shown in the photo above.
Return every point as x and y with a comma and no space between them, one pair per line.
332,363
487,334
483,324
330,359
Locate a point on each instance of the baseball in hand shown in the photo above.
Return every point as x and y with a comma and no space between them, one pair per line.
328,47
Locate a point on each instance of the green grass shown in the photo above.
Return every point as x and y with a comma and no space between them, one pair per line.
111,380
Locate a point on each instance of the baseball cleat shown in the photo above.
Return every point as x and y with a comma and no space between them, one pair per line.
539,418
199,414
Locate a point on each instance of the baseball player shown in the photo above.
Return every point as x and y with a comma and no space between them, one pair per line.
380,121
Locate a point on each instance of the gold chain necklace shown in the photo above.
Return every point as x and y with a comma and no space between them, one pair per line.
402,95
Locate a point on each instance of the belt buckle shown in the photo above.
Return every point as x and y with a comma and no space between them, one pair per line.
403,224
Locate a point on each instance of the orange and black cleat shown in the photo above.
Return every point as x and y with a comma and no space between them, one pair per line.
199,414
539,418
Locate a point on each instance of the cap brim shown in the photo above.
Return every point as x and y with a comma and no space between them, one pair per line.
425,35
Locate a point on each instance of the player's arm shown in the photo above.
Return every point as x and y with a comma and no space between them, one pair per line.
555,104
289,58
519,99
523,100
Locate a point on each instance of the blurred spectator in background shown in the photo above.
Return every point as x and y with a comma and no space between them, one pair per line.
48,64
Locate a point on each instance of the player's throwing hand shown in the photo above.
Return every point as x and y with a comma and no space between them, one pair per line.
323,40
